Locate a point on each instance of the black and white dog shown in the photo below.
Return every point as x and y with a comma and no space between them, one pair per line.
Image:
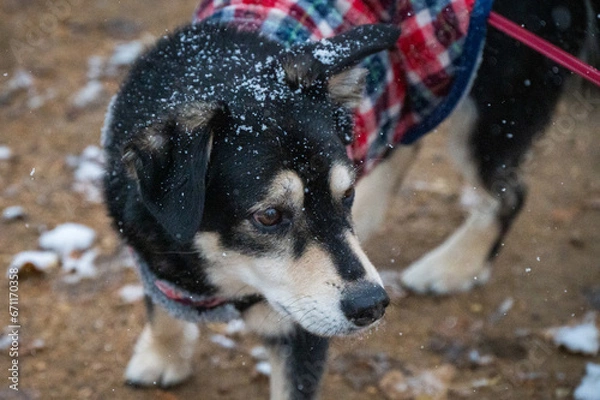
239,205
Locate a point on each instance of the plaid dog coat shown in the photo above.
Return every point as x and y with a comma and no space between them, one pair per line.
409,90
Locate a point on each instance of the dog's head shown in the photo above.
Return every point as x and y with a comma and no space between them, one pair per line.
252,170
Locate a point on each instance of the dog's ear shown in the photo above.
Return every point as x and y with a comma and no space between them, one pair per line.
314,62
331,63
169,159
346,87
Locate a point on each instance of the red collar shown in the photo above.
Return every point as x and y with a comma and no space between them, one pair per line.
204,302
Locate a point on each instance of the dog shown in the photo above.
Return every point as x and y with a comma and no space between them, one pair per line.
233,159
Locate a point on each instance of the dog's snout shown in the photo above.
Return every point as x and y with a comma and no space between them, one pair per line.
364,303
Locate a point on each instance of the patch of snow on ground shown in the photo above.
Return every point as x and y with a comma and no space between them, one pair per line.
259,353
589,388
21,80
41,261
131,293
264,368
126,53
235,326
12,213
67,238
68,243
95,67
35,101
223,341
426,384
89,169
502,310
7,338
5,153
581,338
72,243
80,266
89,94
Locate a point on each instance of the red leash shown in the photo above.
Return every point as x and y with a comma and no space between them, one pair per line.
549,50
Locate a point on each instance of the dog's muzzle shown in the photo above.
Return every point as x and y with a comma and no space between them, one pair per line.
364,303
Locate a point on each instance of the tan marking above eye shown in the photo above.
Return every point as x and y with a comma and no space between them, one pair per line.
285,189
341,179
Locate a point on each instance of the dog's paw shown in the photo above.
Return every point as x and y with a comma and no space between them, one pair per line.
437,275
152,369
156,362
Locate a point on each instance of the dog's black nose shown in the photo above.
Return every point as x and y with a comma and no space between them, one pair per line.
364,303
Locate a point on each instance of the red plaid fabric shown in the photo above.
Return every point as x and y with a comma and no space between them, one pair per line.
409,90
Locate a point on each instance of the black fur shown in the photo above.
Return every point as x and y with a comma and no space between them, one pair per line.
515,91
305,358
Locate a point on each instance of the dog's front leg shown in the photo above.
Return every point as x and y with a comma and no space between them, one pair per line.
163,353
297,365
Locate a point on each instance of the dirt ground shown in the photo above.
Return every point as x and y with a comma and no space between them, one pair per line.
76,338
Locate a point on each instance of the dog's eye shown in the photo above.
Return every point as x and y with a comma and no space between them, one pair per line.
268,218
348,197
